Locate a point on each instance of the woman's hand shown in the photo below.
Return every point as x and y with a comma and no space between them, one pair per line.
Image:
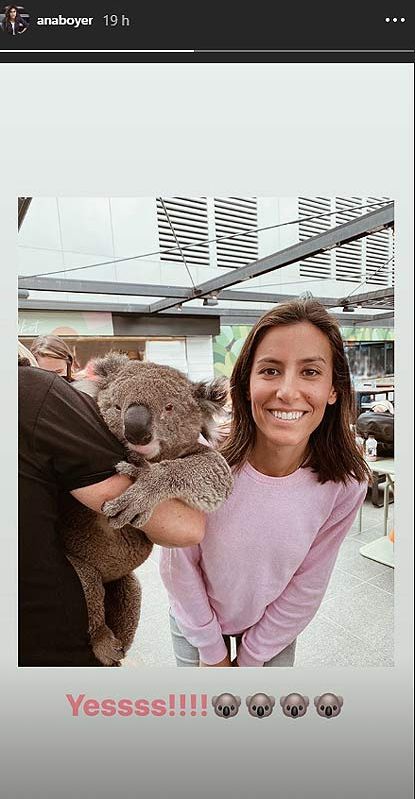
225,663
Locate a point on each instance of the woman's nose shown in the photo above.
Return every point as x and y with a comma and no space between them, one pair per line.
287,387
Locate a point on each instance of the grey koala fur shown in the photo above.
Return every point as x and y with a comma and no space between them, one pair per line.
158,415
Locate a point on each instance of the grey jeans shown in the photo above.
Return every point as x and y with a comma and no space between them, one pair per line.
187,655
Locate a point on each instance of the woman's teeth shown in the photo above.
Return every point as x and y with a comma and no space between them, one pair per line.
287,416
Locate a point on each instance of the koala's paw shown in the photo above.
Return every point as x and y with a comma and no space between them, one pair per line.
106,647
123,467
129,508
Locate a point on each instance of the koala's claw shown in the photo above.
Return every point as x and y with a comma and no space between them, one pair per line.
123,510
106,647
129,469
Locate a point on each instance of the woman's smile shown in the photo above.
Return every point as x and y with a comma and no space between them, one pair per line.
286,416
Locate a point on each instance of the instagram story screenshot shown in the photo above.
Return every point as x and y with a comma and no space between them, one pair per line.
207,392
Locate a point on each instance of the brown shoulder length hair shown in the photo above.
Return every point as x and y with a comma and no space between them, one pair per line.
54,347
332,454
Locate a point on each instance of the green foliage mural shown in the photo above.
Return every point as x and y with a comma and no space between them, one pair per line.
368,333
227,346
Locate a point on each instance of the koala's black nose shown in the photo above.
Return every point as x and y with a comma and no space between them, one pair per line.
328,711
137,424
226,711
294,711
260,711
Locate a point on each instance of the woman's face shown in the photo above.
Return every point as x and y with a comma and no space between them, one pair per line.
57,365
291,384
12,14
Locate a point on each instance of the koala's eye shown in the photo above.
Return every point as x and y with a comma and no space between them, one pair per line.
334,707
169,407
219,707
253,707
288,707
321,707
232,707
117,407
266,707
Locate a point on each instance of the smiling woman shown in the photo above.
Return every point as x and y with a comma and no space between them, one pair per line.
299,481
289,394
293,361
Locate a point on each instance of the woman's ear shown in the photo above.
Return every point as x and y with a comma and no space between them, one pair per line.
332,396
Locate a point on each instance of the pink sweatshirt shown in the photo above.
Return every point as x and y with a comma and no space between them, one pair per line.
264,564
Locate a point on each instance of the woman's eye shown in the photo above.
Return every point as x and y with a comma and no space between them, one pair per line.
270,371
169,407
311,372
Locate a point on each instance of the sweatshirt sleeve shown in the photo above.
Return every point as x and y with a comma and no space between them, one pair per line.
182,576
286,617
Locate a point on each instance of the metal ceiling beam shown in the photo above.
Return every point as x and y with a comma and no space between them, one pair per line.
146,290
70,305
369,296
233,315
101,287
357,228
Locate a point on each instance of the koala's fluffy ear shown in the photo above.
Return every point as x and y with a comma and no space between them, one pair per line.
107,368
316,700
211,396
306,701
272,700
214,700
282,700
248,700
238,700
340,700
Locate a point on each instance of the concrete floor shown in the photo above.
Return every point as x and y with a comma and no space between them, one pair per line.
353,626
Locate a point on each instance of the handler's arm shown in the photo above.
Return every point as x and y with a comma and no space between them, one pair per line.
172,523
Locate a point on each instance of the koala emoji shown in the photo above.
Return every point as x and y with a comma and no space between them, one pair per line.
260,705
158,416
328,705
294,705
226,705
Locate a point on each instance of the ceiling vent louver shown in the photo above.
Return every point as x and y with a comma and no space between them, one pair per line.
189,219
235,215
319,266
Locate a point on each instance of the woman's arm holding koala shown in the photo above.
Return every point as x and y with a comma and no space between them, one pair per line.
172,523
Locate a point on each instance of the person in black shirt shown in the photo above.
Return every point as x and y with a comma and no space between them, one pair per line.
65,446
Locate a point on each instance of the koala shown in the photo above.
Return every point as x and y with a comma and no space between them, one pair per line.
260,705
158,415
226,705
328,705
294,705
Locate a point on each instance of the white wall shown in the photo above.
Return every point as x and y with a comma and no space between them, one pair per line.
192,355
171,353
199,351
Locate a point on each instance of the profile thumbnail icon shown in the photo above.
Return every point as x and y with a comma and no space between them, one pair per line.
14,20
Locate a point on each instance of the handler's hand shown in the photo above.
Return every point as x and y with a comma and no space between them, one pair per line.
222,663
